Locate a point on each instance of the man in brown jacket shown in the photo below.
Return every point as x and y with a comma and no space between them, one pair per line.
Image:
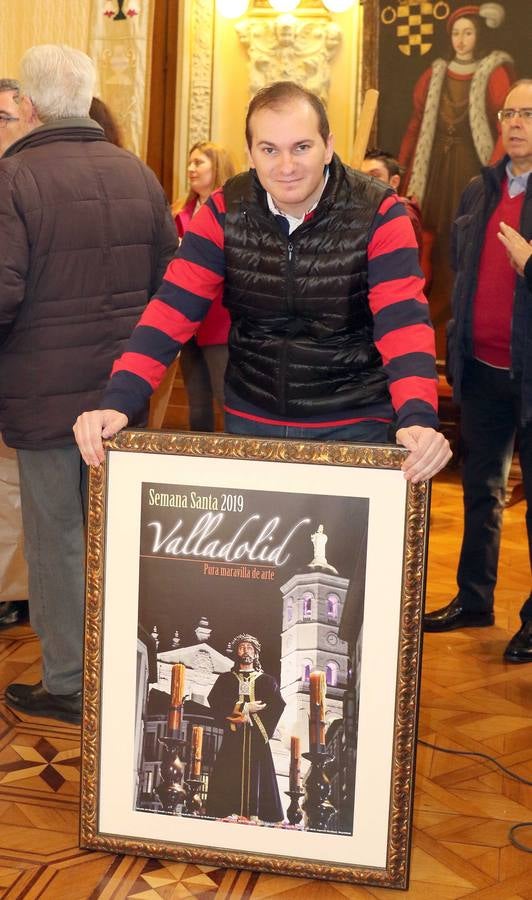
86,235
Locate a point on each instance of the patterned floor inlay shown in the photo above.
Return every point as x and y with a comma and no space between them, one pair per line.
31,761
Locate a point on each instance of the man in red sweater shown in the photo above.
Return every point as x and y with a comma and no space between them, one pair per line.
318,267
490,365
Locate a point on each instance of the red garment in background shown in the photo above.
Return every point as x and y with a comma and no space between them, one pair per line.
493,302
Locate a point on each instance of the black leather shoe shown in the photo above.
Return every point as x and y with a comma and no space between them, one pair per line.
519,650
13,612
35,700
453,616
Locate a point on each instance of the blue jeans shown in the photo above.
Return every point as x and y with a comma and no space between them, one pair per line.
368,432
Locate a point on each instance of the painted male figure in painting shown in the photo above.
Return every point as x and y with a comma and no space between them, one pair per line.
247,704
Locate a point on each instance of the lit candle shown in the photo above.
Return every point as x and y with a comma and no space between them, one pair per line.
176,700
197,745
318,689
295,764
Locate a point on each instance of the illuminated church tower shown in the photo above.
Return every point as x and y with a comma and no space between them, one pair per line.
313,601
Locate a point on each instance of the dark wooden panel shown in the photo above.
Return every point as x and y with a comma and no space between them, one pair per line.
161,128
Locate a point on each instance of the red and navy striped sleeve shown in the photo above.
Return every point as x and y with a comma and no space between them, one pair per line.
193,281
403,332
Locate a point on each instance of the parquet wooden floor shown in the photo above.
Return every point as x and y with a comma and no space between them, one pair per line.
463,808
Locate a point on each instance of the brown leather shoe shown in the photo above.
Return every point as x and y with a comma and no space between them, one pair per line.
519,650
454,616
35,700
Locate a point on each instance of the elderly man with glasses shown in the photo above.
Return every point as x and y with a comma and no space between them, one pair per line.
16,118
490,366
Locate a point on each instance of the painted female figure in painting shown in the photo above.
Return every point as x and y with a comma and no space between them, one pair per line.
453,132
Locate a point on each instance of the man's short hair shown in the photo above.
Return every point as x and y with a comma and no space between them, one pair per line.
59,80
9,84
386,158
278,94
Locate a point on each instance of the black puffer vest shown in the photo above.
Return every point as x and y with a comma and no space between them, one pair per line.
301,341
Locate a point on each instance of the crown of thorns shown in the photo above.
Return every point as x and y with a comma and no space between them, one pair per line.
240,638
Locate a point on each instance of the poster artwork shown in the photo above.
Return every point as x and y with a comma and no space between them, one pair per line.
245,600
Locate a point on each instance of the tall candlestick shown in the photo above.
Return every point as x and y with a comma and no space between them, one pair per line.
176,699
318,688
295,764
148,781
196,748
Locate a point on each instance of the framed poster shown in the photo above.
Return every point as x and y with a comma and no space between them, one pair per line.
443,69
253,653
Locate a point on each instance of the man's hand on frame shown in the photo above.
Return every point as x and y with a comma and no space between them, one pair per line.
429,452
92,427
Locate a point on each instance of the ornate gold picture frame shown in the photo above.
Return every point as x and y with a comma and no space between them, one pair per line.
252,654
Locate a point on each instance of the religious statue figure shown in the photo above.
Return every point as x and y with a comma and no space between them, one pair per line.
319,540
247,704
290,49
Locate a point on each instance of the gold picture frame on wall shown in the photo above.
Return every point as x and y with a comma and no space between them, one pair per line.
252,654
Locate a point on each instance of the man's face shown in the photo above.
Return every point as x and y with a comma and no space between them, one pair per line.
9,119
246,653
289,155
517,131
15,119
377,169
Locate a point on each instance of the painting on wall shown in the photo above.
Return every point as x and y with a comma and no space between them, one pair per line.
443,69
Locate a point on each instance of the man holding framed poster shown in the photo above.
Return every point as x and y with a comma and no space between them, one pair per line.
317,264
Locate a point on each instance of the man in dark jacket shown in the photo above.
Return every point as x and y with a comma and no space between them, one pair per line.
490,363
318,265
86,235
12,612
